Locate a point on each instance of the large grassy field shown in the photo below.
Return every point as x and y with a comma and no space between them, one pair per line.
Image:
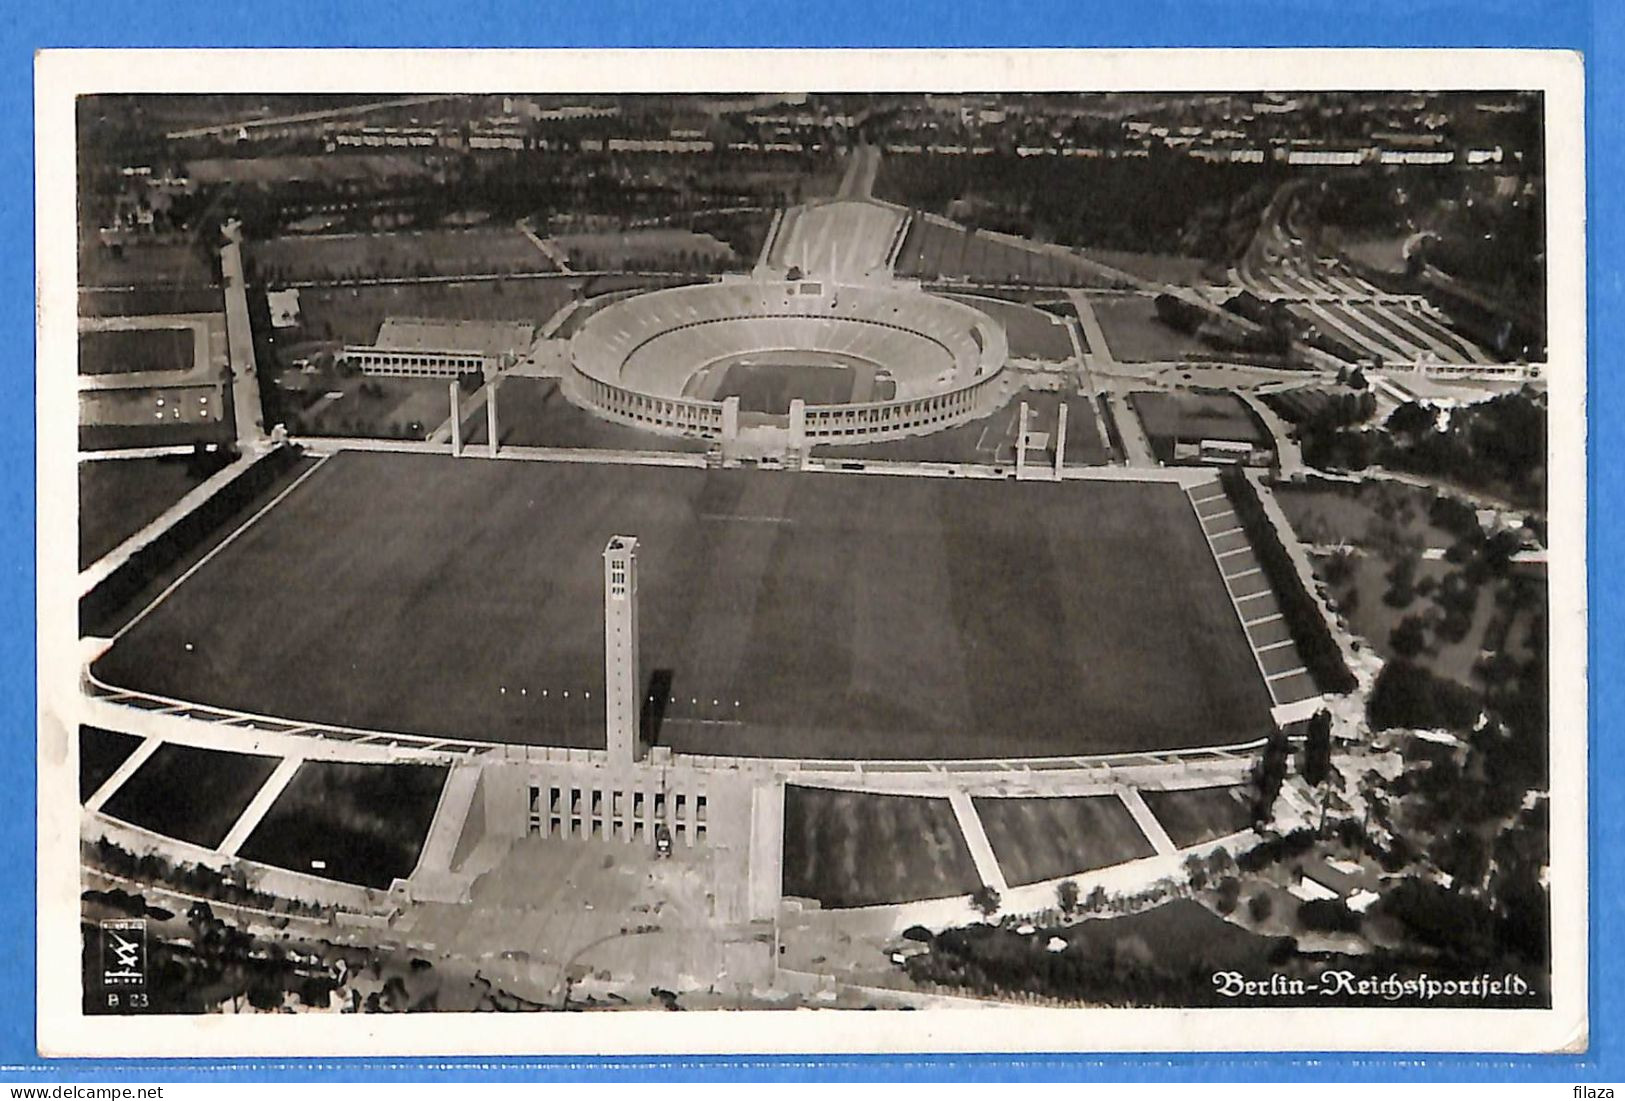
114,419
145,301
792,614
110,622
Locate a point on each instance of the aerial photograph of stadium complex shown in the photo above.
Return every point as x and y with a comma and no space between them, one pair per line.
563,552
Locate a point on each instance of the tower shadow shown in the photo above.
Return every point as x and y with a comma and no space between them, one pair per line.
655,698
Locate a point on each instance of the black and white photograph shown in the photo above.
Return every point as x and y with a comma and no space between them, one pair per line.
558,538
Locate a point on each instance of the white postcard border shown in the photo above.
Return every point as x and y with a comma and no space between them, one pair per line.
62,1030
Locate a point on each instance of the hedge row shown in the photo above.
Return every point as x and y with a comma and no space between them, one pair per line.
1299,608
1108,417
100,605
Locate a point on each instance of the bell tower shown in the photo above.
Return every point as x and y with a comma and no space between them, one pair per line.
621,691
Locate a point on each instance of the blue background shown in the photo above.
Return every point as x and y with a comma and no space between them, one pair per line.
27,25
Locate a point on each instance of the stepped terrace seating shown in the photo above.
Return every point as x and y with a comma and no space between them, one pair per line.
653,343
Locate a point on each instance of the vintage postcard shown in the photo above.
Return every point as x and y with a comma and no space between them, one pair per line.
1067,551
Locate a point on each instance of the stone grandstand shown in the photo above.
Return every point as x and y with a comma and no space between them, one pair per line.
848,241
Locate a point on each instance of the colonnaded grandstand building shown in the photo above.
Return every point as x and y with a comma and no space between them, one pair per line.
423,348
854,690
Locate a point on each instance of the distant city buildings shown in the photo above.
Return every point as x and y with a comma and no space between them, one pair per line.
1323,129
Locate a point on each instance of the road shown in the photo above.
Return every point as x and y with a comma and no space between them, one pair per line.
862,165
245,377
231,128
545,245
1287,452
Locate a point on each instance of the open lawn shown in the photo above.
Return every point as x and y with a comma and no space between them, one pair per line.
353,314
147,264
1386,254
533,413
1046,838
1159,267
1032,333
792,614
119,351
381,406
190,793
156,416
1136,336
658,249
1195,815
990,439
856,848
366,823
119,497
393,255
932,250
148,301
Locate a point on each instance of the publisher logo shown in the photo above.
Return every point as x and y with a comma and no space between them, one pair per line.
124,953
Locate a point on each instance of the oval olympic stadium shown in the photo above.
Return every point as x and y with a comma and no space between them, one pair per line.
823,361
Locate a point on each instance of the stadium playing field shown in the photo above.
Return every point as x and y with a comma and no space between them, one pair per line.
790,614
767,381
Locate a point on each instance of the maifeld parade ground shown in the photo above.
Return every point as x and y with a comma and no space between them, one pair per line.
783,614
